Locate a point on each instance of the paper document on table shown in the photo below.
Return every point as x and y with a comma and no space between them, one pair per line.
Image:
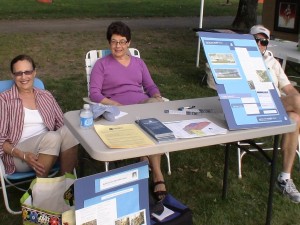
123,136
194,128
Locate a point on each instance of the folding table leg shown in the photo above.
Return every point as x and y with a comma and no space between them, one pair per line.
272,179
226,168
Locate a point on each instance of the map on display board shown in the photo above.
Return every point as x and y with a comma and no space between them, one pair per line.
247,94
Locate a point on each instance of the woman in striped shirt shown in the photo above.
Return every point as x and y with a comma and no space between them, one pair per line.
32,133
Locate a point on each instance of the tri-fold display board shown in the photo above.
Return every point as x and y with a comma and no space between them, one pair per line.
116,197
248,96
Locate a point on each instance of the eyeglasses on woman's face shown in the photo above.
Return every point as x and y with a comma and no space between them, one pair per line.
20,73
262,41
122,43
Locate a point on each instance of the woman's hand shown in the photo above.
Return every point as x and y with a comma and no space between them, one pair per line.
158,98
32,160
107,101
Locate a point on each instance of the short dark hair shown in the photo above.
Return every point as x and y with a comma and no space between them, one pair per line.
119,28
21,58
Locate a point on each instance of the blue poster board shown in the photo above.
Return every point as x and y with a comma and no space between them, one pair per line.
247,94
114,197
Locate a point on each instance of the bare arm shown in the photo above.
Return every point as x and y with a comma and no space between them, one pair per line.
107,101
290,90
291,101
28,157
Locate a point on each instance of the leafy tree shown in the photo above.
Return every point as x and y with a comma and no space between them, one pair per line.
246,15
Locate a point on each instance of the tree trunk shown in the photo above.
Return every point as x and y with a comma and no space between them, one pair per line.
246,15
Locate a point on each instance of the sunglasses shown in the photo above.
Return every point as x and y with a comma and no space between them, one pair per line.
20,73
262,41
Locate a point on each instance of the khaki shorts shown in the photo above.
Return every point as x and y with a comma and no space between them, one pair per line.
49,143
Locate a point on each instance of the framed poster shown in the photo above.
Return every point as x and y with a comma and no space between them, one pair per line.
287,16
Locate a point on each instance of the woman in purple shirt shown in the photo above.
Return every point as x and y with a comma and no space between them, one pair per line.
121,79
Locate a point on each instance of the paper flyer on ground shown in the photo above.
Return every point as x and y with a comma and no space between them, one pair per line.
247,94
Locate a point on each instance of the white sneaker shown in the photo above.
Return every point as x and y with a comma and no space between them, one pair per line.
288,188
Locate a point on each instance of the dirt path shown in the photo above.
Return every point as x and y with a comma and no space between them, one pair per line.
75,25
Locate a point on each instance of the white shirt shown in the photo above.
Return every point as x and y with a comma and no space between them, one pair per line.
33,124
278,75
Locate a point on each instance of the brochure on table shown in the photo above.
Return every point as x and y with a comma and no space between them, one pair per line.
194,128
247,93
115,197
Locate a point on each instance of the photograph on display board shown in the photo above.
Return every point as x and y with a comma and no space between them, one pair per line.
287,16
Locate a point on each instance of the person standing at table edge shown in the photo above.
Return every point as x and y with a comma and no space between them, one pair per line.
121,79
32,133
290,98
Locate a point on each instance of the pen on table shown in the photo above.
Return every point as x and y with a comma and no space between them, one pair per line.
186,107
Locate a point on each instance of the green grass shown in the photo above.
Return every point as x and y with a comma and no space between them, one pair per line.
31,9
170,56
172,65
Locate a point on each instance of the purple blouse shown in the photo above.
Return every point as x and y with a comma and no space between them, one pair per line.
126,85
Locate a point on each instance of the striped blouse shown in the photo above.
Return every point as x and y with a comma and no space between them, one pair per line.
12,119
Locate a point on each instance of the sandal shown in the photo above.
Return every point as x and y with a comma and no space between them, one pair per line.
159,195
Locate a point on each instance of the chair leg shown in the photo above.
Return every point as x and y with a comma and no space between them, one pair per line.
106,166
203,78
241,154
298,154
239,163
3,186
298,150
75,173
169,162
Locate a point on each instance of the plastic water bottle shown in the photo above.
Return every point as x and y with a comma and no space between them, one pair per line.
86,117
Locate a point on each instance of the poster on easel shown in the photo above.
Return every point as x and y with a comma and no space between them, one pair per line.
116,197
247,94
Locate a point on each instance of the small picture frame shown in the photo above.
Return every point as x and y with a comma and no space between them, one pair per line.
287,16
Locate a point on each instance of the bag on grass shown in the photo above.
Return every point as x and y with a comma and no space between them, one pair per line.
175,213
48,200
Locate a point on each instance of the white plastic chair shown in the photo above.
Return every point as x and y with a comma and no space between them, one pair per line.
90,59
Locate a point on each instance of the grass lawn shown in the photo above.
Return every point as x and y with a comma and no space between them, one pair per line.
31,9
170,56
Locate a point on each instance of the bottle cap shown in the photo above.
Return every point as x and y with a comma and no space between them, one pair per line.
86,106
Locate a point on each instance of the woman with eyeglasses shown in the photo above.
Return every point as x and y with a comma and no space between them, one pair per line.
32,133
121,79
290,98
